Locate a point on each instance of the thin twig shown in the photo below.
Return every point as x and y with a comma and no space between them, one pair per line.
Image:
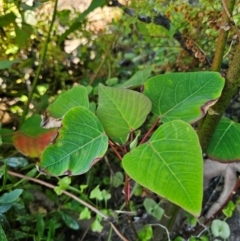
41,62
158,224
114,149
150,131
72,196
204,229
226,10
117,232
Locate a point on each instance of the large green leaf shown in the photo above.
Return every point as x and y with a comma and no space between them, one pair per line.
225,142
121,111
77,96
81,142
170,164
185,96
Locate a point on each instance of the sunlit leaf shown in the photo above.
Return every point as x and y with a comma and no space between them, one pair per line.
77,96
121,111
170,164
185,96
81,143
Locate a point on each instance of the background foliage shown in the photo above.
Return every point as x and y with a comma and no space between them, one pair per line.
73,48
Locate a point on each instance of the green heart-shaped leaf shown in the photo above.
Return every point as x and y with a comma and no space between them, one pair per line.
81,142
77,96
225,142
121,111
220,229
185,96
170,164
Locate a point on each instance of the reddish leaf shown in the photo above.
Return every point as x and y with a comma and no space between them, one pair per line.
31,139
33,146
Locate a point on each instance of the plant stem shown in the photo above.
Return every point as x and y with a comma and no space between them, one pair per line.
41,62
115,150
222,37
150,131
231,85
209,123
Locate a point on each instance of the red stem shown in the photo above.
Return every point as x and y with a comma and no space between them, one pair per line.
150,130
115,150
